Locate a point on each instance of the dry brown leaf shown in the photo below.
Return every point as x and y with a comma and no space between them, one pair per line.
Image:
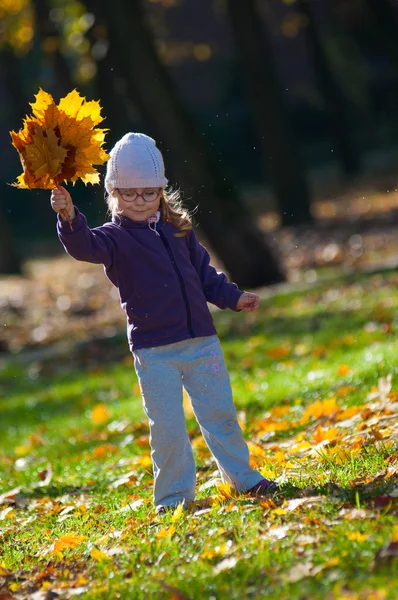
175,593
46,475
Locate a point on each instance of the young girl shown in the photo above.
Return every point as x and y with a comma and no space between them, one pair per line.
151,254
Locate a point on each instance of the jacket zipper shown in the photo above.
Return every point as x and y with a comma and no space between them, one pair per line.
181,280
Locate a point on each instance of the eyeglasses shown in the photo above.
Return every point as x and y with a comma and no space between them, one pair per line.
132,195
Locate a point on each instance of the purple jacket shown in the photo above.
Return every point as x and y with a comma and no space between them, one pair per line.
164,281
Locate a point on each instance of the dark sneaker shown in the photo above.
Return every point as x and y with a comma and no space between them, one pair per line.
162,510
265,487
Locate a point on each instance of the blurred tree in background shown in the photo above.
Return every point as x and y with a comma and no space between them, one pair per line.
281,155
226,221
386,21
340,114
226,126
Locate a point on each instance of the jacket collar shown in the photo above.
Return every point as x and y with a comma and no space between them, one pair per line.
124,221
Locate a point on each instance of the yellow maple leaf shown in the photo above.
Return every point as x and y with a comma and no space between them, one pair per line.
279,511
343,370
322,435
45,156
338,454
177,514
46,585
166,533
59,143
394,537
69,540
320,408
225,490
267,472
99,555
349,412
300,447
22,450
280,411
100,414
357,536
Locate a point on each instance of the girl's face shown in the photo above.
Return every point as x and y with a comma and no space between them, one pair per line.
139,203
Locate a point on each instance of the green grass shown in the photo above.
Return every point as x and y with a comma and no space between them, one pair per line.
301,348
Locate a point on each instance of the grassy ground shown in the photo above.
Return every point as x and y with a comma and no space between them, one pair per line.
313,378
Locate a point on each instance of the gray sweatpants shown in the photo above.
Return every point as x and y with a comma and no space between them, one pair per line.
198,366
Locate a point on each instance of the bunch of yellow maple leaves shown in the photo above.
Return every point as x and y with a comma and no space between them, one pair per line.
60,143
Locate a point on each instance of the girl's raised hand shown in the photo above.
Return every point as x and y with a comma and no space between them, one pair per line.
248,302
61,202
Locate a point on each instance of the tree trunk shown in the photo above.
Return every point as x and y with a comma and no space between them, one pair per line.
230,229
279,148
9,259
11,114
386,20
335,103
45,28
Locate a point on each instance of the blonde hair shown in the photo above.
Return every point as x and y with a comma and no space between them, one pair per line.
171,205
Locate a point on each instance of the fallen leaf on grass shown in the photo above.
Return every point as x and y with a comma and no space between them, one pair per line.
126,479
175,593
99,555
100,414
278,532
225,491
382,390
395,534
104,450
200,513
7,513
279,511
45,476
323,435
302,446
320,408
291,505
227,563
300,571
166,533
67,541
357,536
177,514
343,370
279,352
9,496
202,503
337,455
354,513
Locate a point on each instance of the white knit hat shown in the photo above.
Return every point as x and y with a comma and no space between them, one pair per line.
135,162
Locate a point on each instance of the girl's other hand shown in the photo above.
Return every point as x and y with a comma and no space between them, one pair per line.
61,202
248,302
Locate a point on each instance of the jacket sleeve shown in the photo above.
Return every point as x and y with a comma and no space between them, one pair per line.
217,289
83,243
